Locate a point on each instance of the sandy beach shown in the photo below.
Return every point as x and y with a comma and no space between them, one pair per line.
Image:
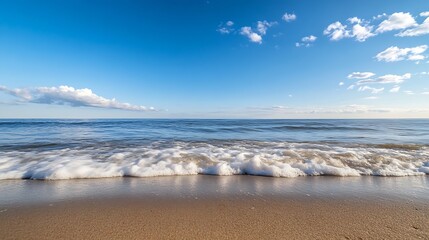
251,218
297,211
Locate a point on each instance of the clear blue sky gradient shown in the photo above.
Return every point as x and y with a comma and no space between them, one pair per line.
169,55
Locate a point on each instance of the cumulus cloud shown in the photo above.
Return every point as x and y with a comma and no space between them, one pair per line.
354,20
306,41
360,75
370,89
340,83
361,30
396,21
65,95
394,54
289,17
337,31
261,30
252,36
418,30
389,78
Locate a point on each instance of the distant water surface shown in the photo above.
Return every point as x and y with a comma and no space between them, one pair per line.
66,149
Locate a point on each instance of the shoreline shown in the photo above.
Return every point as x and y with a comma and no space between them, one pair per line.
27,192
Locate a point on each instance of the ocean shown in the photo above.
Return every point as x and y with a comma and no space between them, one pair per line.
55,149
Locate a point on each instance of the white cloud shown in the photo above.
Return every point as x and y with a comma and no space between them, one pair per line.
65,95
370,89
226,28
337,31
310,38
262,26
253,37
371,98
261,30
289,17
389,78
409,92
395,89
354,20
394,54
362,32
361,29
24,94
341,84
363,80
355,108
416,57
360,75
425,93
280,107
348,109
306,41
418,30
396,21
379,16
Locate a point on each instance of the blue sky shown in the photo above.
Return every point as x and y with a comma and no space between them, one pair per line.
214,59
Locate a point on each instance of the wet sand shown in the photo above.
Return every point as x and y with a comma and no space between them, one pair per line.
247,207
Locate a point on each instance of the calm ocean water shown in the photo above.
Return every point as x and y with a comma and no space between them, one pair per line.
66,149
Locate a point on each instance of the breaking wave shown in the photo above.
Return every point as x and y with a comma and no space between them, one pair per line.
274,159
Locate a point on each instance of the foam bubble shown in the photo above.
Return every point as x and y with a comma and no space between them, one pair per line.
276,159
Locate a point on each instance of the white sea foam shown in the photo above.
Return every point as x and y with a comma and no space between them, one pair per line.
276,159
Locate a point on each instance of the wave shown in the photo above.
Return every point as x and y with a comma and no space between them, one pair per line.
321,128
274,159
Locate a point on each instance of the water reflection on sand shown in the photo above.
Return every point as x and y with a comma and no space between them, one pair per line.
205,187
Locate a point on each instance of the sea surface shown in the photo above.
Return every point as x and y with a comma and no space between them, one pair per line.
70,149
